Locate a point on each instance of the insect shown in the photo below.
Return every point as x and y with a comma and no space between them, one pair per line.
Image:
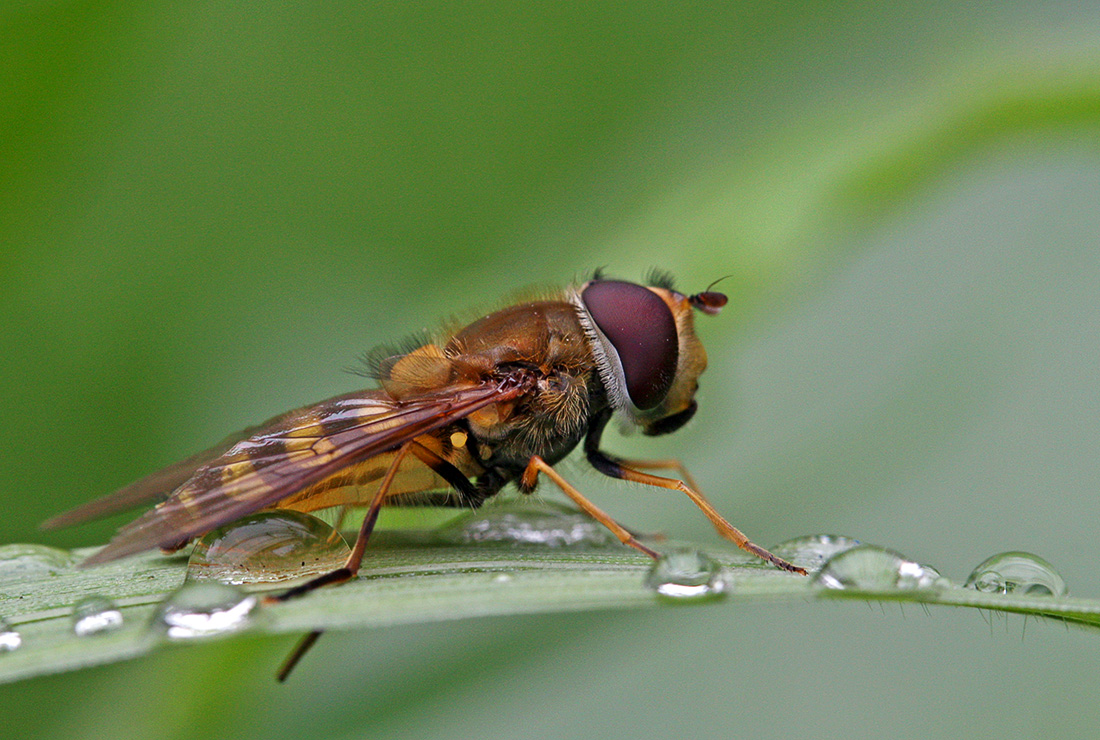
453,421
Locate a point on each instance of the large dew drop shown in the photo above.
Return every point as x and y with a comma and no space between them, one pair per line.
1017,573
22,561
268,547
95,615
198,610
871,569
527,524
686,574
9,638
812,551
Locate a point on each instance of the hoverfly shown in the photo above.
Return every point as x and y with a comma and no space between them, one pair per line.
452,422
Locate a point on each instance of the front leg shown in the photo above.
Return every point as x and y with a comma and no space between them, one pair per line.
529,480
617,468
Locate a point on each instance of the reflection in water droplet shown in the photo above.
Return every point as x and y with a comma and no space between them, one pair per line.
812,551
22,560
268,547
95,615
9,638
685,573
1018,573
529,524
874,569
204,610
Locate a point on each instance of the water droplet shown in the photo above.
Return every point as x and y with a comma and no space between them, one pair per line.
873,569
204,610
95,615
927,571
9,638
685,573
22,560
1017,573
529,524
268,547
812,551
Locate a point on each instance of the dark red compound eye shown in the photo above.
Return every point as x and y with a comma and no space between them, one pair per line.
642,331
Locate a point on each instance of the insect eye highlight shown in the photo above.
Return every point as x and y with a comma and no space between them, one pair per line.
640,327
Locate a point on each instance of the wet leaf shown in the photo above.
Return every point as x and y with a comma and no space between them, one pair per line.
420,576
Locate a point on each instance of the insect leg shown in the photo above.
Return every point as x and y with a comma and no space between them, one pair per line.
529,479
340,575
297,654
445,470
615,468
664,464
355,559
468,493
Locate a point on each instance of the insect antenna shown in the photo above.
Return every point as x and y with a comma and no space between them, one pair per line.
709,301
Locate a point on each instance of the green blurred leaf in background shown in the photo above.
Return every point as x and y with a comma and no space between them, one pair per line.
208,210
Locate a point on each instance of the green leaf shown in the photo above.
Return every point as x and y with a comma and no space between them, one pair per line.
417,576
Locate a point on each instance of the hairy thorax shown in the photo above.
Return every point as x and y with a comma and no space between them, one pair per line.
544,338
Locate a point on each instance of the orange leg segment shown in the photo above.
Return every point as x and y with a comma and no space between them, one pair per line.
724,528
664,464
355,559
530,477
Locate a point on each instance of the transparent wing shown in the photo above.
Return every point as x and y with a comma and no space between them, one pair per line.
294,451
159,485
154,487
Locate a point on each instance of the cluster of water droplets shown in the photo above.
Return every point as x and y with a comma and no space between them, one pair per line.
280,546
276,547
26,561
263,548
843,563
839,562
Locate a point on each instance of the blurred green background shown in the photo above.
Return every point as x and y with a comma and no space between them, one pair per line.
208,210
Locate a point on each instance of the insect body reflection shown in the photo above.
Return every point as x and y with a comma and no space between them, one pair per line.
453,422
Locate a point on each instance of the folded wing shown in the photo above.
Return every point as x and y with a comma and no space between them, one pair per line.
291,452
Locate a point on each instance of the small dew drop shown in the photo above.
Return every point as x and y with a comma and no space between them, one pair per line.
21,560
527,524
1017,573
872,569
686,574
9,638
812,551
95,615
268,547
207,609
